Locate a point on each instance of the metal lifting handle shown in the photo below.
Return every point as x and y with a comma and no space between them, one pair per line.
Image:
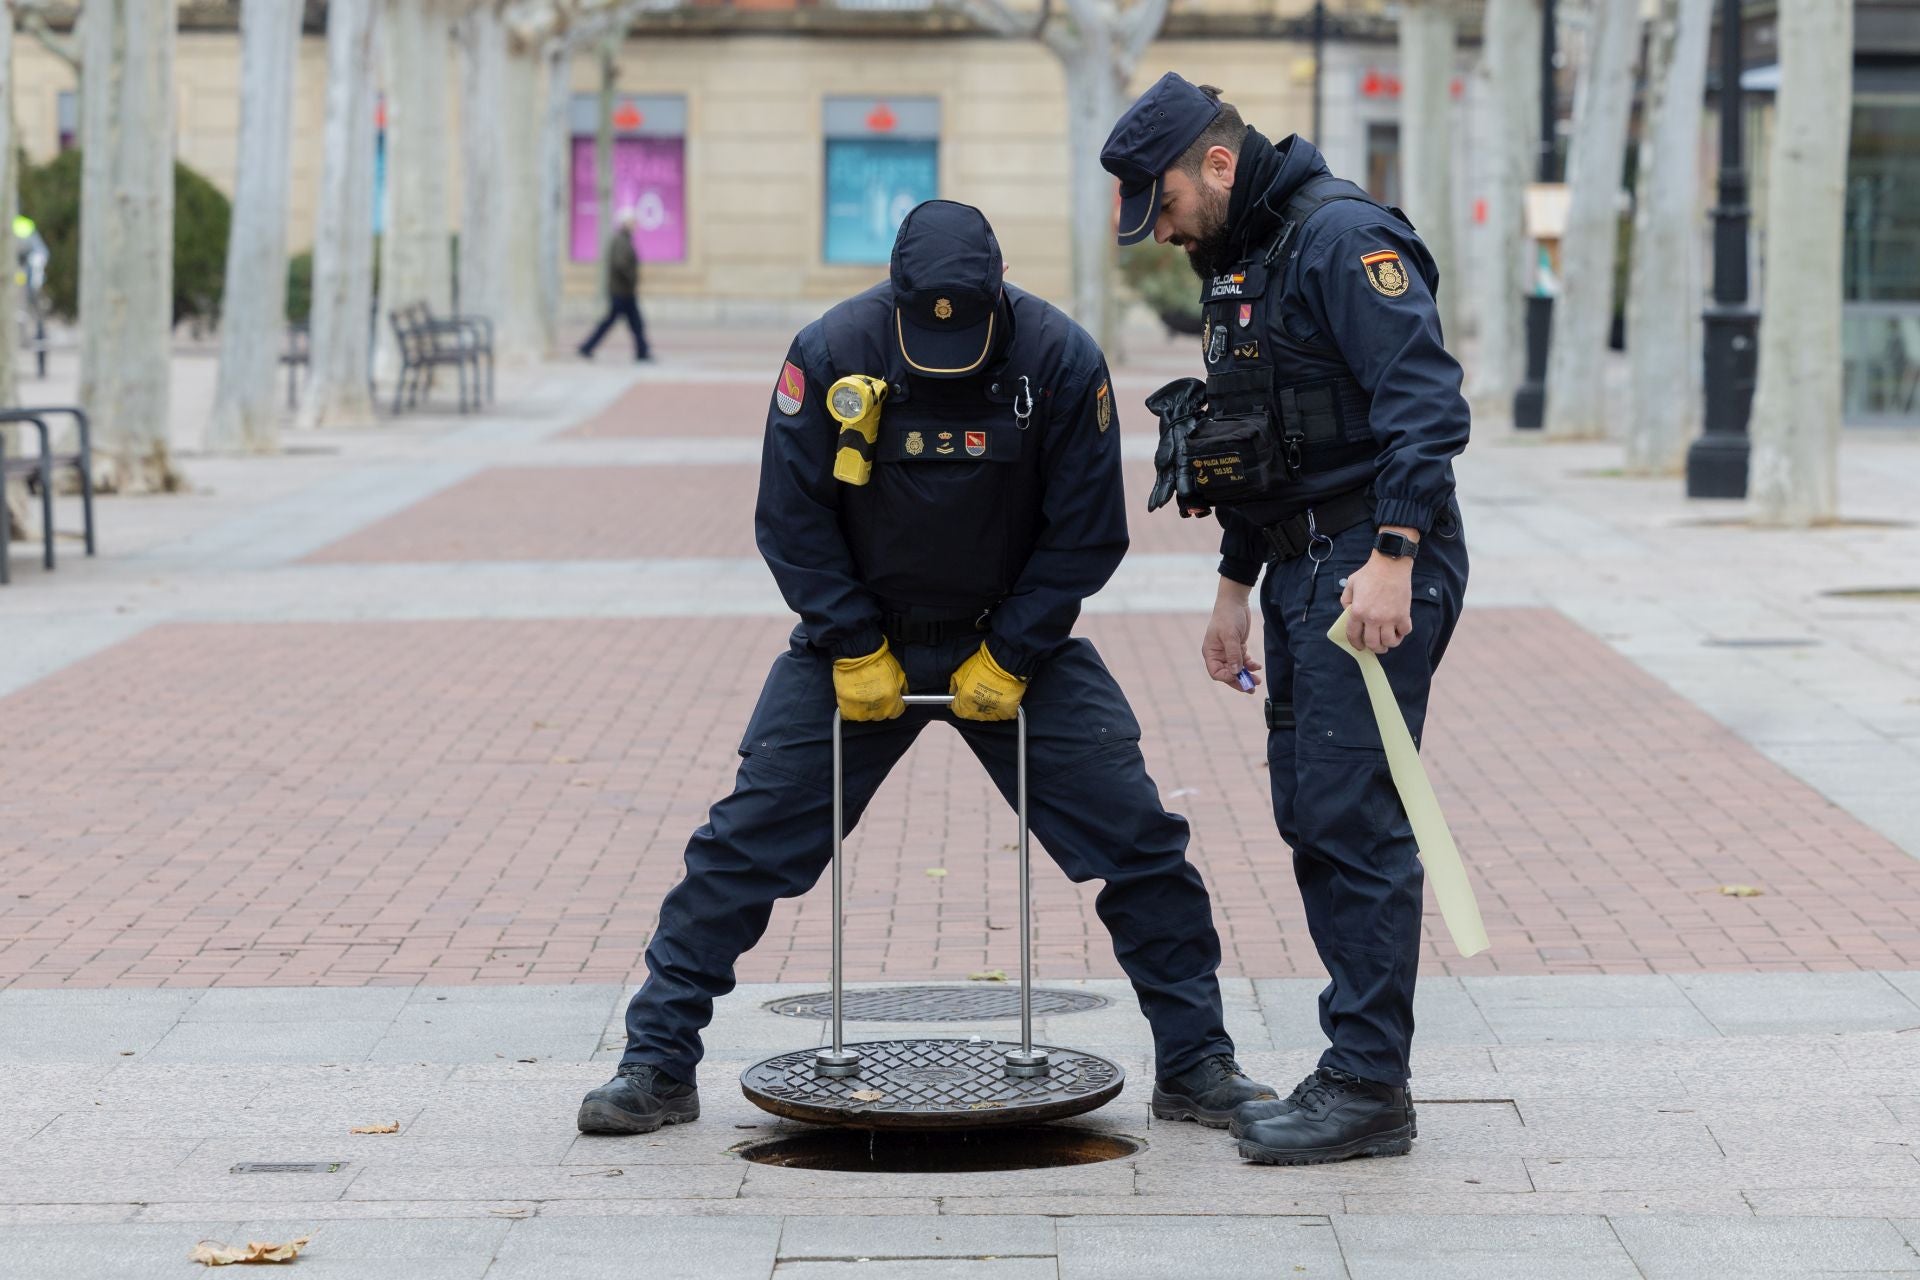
1022,1062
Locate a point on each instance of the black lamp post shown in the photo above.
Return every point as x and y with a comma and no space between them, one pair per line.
1717,461
1530,400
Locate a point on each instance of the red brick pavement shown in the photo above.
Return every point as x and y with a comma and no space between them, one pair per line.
445,802
619,513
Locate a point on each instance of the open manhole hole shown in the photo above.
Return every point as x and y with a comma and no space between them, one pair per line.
935,1004
981,1151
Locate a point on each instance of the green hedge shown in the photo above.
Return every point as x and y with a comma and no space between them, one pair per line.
202,216
1160,275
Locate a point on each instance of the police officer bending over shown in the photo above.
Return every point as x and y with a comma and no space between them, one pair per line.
939,491
1323,439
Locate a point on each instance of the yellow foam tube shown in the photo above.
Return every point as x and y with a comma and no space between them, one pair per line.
1445,871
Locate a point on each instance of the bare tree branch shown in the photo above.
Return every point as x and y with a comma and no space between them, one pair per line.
33,20
1138,27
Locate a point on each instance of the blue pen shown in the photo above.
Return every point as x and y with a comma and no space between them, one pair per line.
1244,680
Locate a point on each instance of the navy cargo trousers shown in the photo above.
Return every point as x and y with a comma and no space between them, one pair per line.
1090,802
1353,851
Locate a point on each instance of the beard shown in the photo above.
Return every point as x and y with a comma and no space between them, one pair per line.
1211,252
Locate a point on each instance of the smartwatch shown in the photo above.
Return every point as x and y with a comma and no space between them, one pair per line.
1397,546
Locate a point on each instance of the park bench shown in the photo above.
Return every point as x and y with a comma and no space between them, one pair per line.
43,469
427,343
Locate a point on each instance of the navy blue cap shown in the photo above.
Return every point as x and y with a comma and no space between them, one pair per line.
946,288
1155,131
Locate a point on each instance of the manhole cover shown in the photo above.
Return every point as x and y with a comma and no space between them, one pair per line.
935,1004
994,1151
931,1084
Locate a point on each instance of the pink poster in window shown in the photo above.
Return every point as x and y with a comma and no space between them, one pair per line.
649,177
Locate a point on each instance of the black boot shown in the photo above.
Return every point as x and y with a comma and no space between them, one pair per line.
1336,1116
639,1099
1207,1092
1267,1108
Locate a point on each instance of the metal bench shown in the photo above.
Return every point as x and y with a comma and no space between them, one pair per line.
45,466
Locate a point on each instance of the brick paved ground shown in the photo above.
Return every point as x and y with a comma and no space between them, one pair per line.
506,801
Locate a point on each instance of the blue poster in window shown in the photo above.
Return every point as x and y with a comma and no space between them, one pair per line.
871,185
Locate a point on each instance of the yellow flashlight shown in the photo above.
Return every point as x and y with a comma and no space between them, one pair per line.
855,402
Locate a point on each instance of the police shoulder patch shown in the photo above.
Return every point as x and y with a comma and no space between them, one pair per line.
1103,406
791,392
1385,272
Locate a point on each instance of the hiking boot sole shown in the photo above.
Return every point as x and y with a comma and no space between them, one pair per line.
604,1117
1393,1142
1171,1106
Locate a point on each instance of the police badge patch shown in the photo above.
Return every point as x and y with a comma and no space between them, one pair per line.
791,391
976,444
1103,406
1386,273
1217,345
915,445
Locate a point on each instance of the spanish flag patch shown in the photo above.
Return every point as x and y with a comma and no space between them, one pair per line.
1385,273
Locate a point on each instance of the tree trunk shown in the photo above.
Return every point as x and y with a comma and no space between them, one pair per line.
1509,138
483,76
337,391
126,241
1664,298
416,260
1428,30
253,318
603,140
13,493
1793,477
1583,313
518,200
556,146
1094,96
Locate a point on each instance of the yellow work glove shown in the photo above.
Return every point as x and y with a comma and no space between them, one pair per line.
983,691
870,688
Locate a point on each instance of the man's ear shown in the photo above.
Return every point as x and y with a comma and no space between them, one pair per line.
1221,163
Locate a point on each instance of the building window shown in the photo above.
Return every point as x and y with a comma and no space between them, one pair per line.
649,175
1881,330
1383,162
882,159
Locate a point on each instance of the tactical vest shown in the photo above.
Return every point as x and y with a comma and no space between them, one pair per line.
1319,413
952,512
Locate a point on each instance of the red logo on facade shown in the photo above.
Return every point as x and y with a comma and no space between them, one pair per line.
627,116
881,119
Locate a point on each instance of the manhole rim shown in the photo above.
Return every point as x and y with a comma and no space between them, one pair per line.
1138,1144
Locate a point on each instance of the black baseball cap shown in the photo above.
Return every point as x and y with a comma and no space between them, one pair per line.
946,288
1155,131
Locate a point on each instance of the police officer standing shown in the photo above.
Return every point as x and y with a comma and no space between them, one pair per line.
1323,439
940,488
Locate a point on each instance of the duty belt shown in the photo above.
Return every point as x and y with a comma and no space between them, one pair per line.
909,628
1290,537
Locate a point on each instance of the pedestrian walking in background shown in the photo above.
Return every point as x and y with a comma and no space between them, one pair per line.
623,291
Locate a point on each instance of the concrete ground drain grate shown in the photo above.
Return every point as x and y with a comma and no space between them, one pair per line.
936,1004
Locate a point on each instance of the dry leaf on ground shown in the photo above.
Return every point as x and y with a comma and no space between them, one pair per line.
936,872
215,1254
867,1095
391,1126
1740,891
987,975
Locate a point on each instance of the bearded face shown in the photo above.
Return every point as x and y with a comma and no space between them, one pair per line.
1204,235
